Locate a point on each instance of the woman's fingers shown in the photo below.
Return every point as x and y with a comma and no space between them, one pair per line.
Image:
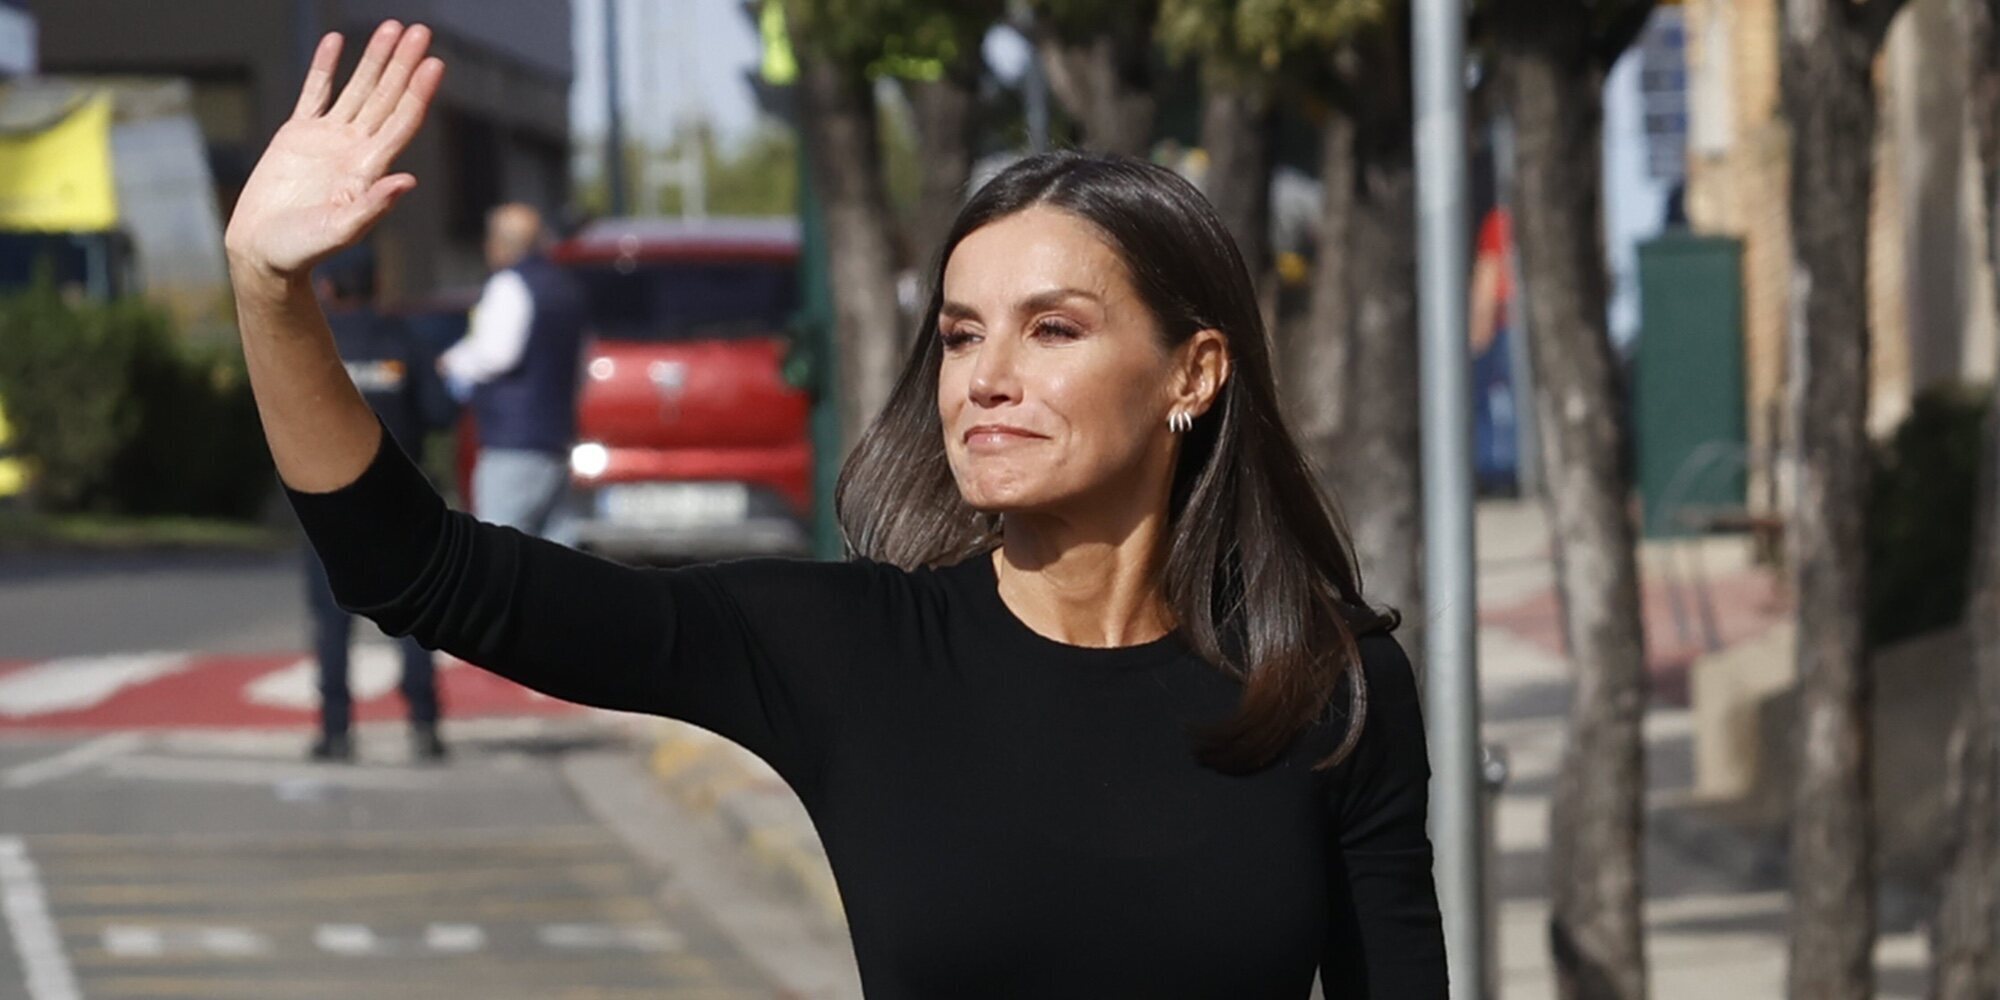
408,116
362,84
395,80
319,79
358,217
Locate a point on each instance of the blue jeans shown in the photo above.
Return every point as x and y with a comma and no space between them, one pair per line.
521,489
333,628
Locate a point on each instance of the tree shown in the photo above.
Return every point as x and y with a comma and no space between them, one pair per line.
944,91
1349,60
842,45
1968,917
1826,54
1551,60
1098,55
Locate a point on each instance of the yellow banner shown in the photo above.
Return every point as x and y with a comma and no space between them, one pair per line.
59,178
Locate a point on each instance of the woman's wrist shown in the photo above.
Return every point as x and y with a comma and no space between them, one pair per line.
256,282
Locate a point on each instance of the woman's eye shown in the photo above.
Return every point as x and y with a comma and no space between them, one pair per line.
955,338
1057,329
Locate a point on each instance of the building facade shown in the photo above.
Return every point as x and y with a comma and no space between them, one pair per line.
1931,302
499,131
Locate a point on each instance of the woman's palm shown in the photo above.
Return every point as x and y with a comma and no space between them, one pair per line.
324,181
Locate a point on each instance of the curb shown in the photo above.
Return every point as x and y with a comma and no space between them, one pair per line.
718,780
1758,856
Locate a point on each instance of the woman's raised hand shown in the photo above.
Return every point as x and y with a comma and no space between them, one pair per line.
324,181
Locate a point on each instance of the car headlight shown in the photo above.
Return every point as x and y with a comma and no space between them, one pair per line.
589,459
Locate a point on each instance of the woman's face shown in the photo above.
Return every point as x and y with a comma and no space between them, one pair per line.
1055,386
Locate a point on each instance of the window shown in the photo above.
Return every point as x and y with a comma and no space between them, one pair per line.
679,302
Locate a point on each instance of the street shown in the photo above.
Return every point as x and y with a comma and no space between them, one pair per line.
161,834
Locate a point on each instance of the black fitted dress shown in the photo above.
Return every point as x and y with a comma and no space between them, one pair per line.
1006,815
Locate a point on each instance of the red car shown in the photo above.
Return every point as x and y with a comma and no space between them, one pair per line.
691,443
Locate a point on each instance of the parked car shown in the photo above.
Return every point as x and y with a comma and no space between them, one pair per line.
691,443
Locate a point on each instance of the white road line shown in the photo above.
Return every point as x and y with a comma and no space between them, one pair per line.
455,938
346,939
228,771
75,759
600,937
73,683
36,939
230,942
126,941
140,941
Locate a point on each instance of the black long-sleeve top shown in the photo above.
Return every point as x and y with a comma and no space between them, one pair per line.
1006,815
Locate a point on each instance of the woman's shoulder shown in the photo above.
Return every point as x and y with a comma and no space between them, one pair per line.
1385,667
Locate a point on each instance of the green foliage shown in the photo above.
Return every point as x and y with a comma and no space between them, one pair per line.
761,178
115,414
1920,514
1263,38
906,38
1080,20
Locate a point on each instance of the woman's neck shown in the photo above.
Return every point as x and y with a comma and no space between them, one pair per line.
1081,590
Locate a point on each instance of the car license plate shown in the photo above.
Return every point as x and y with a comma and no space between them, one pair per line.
674,505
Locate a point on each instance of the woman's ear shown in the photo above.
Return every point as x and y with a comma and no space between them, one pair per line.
1204,364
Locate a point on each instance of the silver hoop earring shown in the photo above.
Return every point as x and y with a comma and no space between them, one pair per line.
1179,421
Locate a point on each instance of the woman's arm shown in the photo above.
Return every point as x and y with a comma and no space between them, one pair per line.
1386,938
757,653
323,183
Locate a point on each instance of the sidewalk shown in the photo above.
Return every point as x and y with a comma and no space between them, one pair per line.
1716,905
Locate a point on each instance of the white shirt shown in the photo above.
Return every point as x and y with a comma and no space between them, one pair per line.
497,335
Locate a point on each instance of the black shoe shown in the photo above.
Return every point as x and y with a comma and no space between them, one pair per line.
426,745
335,748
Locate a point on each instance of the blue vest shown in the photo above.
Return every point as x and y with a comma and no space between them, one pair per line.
394,372
533,406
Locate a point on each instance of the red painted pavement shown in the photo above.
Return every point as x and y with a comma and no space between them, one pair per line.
213,693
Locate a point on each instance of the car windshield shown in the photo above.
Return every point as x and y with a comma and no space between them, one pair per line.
679,302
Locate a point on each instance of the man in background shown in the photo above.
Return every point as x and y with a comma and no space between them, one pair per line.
397,378
518,367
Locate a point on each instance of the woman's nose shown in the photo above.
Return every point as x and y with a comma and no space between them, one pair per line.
994,381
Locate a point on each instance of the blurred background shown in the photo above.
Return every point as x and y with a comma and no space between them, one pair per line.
1732,336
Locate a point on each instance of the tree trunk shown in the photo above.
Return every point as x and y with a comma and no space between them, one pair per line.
1553,90
1967,926
1236,130
839,120
944,111
1316,377
1825,65
1104,82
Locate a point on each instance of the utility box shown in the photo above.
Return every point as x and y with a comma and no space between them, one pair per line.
1687,383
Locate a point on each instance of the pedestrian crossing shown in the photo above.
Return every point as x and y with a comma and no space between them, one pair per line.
354,940
559,911
172,690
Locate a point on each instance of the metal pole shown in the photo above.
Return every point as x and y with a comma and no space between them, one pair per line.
1451,685
614,117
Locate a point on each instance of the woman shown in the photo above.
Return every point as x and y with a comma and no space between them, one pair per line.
1100,712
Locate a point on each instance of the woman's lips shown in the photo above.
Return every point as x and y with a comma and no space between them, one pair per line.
988,437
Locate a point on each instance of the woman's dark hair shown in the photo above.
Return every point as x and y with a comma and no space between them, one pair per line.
1258,572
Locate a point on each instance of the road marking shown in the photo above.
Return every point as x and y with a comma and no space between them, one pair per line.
601,937
374,670
293,777
130,941
454,937
73,683
346,939
123,941
36,939
71,761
